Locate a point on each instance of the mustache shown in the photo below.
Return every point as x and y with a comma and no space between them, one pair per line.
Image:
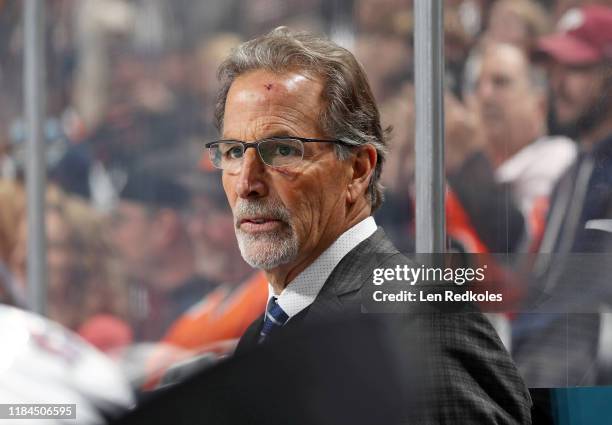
259,207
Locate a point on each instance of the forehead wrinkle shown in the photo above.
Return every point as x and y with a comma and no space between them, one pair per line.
270,116
264,85
266,127
292,105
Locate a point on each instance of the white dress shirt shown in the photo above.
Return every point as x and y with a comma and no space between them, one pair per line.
302,291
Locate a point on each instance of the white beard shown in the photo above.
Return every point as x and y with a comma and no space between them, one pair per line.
266,250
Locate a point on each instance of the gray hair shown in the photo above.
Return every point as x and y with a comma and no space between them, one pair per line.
350,115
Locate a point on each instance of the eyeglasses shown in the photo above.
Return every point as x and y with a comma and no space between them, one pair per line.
275,152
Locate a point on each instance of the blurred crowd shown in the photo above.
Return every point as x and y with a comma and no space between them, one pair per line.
141,241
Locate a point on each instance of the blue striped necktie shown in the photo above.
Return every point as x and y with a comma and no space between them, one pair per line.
274,319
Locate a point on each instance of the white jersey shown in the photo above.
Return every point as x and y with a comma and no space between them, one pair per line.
42,362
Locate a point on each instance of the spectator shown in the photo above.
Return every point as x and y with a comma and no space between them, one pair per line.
511,101
484,208
12,211
223,315
95,22
85,279
209,222
518,22
396,213
579,56
388,56
12,200
151,235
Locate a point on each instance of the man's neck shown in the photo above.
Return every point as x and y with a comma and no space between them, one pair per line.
281,276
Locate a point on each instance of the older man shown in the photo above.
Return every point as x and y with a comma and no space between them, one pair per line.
302,150
512,105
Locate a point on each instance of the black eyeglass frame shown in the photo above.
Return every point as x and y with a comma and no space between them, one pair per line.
256,143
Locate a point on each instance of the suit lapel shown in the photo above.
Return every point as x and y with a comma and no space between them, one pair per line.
339,294
250,338
347,278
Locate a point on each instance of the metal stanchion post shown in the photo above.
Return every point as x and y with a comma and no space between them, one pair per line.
429,75
35,110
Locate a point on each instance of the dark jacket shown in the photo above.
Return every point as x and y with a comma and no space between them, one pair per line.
470,377
571,282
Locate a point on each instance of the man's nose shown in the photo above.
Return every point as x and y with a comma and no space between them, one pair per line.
251,179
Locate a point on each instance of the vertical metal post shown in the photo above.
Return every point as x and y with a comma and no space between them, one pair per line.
429,76
340,16
35,111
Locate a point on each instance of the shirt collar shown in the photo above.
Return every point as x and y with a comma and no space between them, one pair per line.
302,291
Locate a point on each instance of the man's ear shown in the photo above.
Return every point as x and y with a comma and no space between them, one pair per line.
363,163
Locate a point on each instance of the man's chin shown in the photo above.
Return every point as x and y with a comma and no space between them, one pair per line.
267,254
262,264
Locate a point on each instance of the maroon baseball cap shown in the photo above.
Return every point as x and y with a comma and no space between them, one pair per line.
583,37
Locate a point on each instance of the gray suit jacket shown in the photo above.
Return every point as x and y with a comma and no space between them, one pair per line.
471,377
